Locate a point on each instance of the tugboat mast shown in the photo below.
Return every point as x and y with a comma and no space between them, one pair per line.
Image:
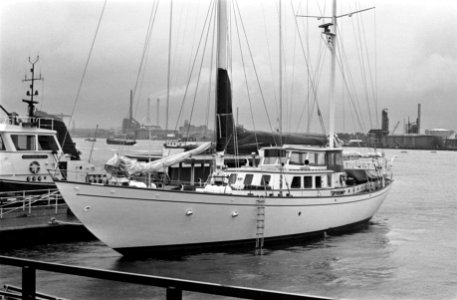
32,92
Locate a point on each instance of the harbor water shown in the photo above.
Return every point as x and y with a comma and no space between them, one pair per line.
408,251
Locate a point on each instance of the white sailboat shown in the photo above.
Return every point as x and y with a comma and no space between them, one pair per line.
295,192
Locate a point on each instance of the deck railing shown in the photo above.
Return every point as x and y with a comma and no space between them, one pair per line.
174,287
13,203
39,122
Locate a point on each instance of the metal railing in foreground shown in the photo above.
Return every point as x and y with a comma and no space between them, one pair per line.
174,287
12,203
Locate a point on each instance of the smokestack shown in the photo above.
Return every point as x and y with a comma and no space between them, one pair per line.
158,111
148,117
418,121
131,104
385,121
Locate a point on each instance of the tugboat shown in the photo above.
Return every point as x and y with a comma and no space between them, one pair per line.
34,146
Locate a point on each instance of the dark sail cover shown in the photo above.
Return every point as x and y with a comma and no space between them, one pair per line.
224,115
251,141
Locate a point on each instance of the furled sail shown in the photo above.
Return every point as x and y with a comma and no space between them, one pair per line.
224,114
121,165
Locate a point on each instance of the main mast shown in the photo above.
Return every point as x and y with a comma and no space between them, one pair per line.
169,67
224,116
280,72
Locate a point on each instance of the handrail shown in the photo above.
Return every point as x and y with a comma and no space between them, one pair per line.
11,207
174,287
20,120
26,192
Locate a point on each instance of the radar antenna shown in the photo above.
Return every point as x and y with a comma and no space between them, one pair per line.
32,92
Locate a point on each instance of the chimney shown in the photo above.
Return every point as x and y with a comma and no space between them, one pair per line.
385,121
131,104
148,117
158,111
418,121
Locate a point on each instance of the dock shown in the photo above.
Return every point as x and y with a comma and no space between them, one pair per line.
34,217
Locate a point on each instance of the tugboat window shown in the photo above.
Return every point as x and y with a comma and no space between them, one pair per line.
2,144
24,142
47,142
318,182
308,181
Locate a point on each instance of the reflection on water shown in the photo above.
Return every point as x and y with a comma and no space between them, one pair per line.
408,251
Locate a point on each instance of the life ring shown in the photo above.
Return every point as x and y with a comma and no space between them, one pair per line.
34,167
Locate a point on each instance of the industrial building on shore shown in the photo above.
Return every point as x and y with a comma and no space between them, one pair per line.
433,139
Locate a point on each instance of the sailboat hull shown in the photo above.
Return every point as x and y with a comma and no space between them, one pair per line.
136,221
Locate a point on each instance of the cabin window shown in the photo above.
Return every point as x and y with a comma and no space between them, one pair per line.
47,142
24,142
320,159
248,180
308,182
271,156
339,162
265,180
297,158
296,182
2,144
335,161
318,182
232,178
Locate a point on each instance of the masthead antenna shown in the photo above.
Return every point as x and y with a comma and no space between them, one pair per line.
31,93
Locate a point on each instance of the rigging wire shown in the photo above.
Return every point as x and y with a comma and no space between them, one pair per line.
254,68
370,72
144,56
362,66
208,103
193,64
75,102
199,73
291,94
312,82
269,54
246,80
348,81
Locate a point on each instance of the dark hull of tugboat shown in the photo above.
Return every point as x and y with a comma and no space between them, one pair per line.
241,245
120,142
7,185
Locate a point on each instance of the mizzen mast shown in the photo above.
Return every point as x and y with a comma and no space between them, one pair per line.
329,30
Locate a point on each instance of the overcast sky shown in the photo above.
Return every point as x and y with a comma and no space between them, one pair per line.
412,44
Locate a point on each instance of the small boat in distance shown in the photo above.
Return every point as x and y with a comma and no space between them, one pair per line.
118,140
